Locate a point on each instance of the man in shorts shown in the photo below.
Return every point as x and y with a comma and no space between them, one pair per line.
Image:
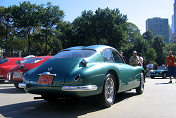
170,64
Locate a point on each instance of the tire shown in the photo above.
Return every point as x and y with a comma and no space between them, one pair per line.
107,97
16,85
49,98
152,77
140,89
164,75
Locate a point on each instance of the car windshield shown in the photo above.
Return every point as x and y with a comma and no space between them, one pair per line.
162,67
3,61
31,60
75,54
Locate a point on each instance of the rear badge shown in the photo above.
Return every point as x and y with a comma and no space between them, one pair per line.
49,69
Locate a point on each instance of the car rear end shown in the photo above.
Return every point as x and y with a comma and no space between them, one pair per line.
15,75
52,75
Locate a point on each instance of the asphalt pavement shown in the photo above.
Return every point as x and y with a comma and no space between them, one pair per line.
157,101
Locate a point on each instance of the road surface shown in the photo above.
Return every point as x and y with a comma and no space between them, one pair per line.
157,101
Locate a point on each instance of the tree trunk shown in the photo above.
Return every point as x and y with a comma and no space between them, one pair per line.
29,42
6,37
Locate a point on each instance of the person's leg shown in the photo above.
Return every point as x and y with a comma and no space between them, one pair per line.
170,77
170,74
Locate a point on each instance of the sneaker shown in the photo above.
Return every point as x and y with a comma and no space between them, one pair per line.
170,82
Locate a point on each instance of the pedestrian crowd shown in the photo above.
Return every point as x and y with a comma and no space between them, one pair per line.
170,63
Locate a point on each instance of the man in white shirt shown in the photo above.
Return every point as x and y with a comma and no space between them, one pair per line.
141,59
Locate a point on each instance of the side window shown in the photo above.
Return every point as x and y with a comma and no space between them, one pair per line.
107,55
117,57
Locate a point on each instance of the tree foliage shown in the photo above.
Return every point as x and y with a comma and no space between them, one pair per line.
39,29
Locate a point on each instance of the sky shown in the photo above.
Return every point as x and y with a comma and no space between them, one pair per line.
137,11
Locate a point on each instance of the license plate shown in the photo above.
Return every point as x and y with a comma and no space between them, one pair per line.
45,79
17,75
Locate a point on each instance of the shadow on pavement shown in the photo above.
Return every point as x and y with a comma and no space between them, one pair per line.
63,109
163,83
12,91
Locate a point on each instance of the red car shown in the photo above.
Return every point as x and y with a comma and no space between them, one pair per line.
15,74
6,64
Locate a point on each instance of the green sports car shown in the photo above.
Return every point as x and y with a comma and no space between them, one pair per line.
84,71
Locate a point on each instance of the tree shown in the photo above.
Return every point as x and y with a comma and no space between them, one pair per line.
133,33
65,35
49,17
148,36
150,55
105,26
83,27
158,45
26,20
134,41
170,47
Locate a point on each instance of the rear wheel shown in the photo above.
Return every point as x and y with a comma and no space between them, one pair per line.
107,97
140,89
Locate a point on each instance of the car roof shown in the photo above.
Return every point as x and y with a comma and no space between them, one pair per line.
92,47
42,57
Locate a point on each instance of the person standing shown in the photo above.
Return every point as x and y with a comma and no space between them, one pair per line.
134,60
141,59
170,64
150,66
121,54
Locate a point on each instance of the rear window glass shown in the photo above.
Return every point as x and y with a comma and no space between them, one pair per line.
3,61
31,60
75,54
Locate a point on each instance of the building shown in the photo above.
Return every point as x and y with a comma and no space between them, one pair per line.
174,17
172,25
173,37
159,26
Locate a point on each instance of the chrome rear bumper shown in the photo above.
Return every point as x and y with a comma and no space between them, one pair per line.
80,88
70,88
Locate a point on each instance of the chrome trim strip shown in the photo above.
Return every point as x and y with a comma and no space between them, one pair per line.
80,88
47,73
22,85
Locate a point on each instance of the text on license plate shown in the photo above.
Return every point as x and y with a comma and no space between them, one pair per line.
17,74
45,79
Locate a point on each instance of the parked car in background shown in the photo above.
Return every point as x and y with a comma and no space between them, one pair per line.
160,72
15,74
84,71
6,64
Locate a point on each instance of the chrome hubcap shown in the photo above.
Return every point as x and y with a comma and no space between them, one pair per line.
109,90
